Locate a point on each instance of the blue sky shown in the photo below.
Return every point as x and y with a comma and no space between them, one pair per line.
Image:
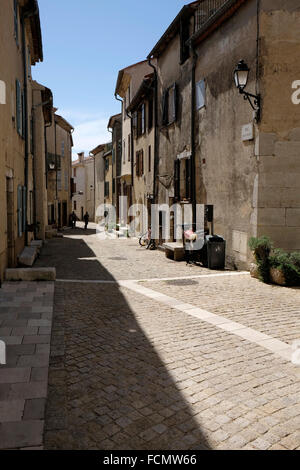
85,44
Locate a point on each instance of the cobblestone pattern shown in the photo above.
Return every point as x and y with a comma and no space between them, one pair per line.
25,325
120,259
139,375
272,310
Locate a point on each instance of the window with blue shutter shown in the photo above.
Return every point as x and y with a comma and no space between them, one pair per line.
24,206
18,107
16,21
20,211
200,94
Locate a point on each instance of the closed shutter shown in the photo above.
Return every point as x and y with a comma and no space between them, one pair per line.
19,211
165,108
177,179
174,104
137,163
24,207
142,162
143,119
18,107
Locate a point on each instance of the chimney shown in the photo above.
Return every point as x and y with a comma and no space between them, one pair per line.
81,157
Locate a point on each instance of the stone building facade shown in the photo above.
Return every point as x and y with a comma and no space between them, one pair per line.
59,145
211,149
20,48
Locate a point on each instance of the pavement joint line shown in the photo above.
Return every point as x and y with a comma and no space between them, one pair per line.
275,346
201,276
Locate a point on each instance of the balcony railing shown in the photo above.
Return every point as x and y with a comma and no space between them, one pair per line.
206,11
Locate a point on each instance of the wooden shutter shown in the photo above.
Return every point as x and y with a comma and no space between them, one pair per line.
19,211
24,207
165,108
174,103
142,162
137,164
177,179
18,107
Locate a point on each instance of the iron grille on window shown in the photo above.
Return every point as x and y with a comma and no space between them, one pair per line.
206,10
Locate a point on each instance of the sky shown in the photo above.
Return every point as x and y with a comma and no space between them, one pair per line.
85,44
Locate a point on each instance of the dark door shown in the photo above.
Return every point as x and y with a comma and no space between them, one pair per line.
65,214
10,222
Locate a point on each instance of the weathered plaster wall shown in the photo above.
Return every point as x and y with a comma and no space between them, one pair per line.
226,166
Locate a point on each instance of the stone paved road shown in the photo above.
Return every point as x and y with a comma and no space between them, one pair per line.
25,326
129,371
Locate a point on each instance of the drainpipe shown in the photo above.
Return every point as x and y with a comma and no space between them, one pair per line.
193,144
94,157
155,163
34,107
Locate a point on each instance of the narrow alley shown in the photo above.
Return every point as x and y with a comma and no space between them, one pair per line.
136,364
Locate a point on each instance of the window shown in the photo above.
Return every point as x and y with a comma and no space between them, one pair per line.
59,180
106,189
140,163
149,158
169,105
74,172
200,94
66,181
19,113
139,121
129,147
124,151
75,205
63,148
16,21
20,210
184,36
182,179
106,164
150,114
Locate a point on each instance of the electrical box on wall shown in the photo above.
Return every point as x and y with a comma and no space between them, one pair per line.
2,92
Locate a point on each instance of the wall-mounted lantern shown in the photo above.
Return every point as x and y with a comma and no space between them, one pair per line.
241,75
51,166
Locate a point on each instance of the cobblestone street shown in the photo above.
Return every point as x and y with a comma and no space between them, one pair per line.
150,354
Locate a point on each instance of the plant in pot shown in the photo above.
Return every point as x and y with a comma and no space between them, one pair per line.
285,268
261,248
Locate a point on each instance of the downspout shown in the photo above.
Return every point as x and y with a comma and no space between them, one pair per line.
94,157
155,195
193,144
56,189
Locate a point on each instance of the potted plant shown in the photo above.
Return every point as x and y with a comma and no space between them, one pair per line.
261,248
285,268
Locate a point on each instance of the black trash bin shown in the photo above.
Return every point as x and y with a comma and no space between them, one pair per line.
216,249
212,254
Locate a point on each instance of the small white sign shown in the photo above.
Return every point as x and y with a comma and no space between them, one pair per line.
184,155
2,92
247,132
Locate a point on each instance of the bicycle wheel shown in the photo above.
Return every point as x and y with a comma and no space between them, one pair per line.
143,239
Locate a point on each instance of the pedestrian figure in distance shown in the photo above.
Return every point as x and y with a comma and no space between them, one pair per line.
86,220
73,219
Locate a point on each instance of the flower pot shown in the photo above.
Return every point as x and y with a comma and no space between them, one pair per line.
254,271
277,277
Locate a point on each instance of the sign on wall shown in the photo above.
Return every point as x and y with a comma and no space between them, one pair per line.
2,92
247,132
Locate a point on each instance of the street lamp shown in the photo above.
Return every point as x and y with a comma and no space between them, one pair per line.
241,75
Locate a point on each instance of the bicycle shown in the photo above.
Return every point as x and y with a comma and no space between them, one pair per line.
146,240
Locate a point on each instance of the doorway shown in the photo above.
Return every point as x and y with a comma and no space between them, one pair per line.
65,214
10,222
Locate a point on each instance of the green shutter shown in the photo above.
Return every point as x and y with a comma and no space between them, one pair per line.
24,207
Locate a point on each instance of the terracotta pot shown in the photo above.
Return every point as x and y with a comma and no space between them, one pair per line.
277,277
254,271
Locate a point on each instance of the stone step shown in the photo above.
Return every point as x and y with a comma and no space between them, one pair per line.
28,256
30,274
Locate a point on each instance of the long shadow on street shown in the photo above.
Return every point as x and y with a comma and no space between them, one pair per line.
108,387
